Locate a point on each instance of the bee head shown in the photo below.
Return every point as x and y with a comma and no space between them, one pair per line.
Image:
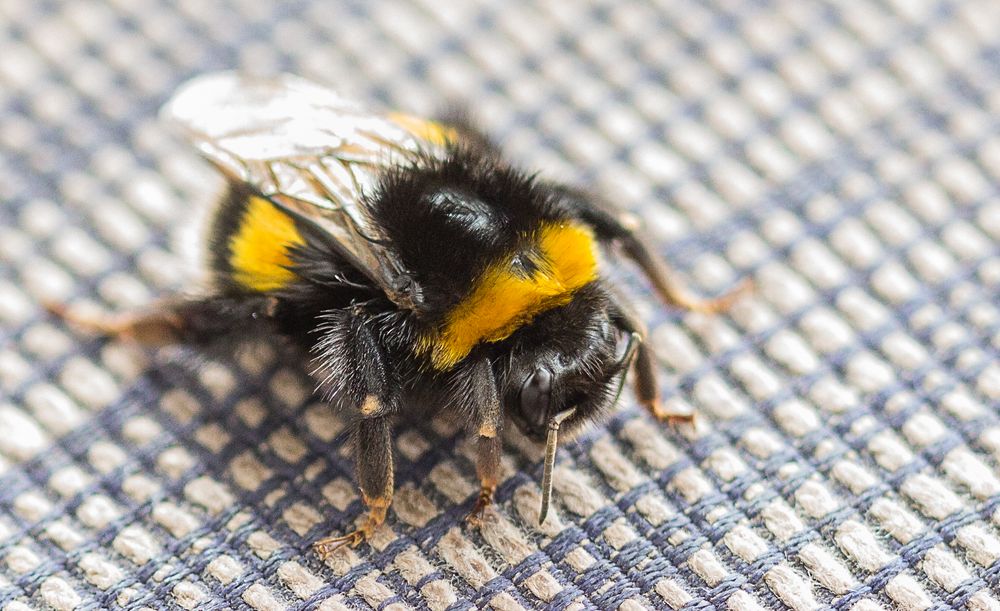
566,367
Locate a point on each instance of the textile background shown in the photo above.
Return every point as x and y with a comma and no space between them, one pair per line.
842,155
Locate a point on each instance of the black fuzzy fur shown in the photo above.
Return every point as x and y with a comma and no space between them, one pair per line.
225,223
448,220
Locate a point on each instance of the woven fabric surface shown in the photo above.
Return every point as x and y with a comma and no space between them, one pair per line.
844,156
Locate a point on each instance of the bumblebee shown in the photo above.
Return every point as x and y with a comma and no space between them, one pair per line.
417,271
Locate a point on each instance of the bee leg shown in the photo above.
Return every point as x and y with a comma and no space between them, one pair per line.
646,388
488,470
648,393
489,444
373,453
153,327
171,321
622,229
351,365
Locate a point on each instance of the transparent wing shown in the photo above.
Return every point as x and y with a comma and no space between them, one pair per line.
309,150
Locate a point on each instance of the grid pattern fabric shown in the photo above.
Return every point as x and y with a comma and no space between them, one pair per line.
844,156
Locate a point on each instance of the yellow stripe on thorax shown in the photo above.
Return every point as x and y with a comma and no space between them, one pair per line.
502,301
259,248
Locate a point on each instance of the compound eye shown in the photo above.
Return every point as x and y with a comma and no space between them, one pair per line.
536,394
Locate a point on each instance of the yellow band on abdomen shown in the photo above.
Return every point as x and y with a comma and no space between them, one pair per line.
259,248
433,132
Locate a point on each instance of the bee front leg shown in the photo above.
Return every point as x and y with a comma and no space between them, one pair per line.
489,443
373,454
488,470
646,388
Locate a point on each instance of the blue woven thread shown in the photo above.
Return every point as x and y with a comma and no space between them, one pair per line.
787,490
900,249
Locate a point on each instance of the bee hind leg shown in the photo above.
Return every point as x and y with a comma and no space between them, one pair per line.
153,327
171,321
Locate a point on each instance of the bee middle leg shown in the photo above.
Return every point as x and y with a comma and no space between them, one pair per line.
373,455
489,418
351,365
622,229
